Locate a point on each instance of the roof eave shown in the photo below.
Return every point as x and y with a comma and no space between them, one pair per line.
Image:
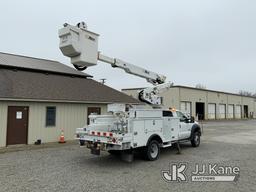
43,71
64,101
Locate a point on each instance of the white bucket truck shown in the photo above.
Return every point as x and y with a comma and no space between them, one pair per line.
127,128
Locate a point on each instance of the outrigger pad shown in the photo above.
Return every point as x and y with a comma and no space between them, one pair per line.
94,149
178,148
127,156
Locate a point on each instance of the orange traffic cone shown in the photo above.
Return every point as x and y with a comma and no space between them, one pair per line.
62,138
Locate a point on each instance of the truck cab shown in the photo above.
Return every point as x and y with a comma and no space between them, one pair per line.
186,123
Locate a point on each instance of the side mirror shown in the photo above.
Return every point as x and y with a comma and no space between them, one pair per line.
184,119
190,120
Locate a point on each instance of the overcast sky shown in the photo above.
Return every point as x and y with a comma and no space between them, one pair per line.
212,42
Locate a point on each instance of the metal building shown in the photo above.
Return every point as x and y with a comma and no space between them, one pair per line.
39,98
206,104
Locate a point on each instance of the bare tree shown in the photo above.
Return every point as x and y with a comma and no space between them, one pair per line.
247,93
200,86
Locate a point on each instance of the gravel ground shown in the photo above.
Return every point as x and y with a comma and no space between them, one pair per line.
71,168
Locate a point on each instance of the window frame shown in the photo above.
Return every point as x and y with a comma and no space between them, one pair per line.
165,113
94,109
182,118
47,124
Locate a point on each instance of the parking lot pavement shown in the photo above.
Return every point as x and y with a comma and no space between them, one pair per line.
71,168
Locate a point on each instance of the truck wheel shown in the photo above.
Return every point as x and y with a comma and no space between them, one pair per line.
195,140
152,151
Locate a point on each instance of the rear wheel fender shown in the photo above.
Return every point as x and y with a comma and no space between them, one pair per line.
155,137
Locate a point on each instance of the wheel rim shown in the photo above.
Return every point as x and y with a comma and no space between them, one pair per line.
197,139
154,150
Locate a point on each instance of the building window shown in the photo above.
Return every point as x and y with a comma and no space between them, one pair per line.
92,110
50,116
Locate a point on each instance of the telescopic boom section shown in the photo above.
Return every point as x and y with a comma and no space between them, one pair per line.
150,76
81,46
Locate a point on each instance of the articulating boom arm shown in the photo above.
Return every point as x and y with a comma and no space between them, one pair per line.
81,46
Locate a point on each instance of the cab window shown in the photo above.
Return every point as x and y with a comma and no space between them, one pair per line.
167,114
181,116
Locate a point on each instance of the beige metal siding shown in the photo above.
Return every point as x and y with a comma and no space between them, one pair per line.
213,97
3,125
176,95
171,98
234,99
68,117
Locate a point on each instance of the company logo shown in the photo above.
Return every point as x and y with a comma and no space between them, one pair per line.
201,173
175,173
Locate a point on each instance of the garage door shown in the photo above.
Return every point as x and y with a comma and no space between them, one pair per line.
211,111
222,111
185,107
231,111
238,112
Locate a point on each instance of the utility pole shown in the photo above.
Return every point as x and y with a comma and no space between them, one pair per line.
103,81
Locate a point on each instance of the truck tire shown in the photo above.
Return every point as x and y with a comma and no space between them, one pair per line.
195,139
152,150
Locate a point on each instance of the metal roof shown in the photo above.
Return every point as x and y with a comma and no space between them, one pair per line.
35,64
194,88
35,85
